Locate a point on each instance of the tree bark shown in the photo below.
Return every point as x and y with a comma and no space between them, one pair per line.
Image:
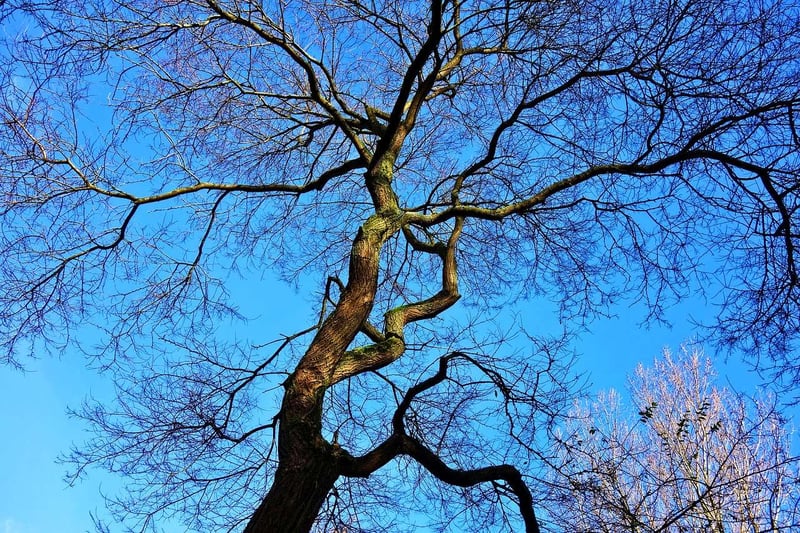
308,466
297,494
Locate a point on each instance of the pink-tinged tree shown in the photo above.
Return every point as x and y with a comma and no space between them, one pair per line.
696,457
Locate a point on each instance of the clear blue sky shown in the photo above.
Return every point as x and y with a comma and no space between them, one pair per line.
35,428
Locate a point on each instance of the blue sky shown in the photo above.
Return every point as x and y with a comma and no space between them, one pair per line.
35,499
35,428
33,495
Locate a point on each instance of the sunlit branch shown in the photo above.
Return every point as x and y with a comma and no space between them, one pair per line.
299,57
630,169
313,185
391,344
403,115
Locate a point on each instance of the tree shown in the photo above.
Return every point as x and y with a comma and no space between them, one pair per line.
699,457
396,155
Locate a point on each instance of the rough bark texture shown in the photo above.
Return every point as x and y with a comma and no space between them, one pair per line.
308,466
591,151
297,494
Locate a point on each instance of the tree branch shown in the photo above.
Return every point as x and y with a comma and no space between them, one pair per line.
400,443
392,344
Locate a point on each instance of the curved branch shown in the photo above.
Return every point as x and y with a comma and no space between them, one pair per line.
400,443
391,345
313,185
540,198
398,425
300,58
398,318
397,126
467,478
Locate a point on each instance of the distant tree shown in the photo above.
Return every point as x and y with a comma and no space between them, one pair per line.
394,156
698,458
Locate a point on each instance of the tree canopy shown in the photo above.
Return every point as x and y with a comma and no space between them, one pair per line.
400,157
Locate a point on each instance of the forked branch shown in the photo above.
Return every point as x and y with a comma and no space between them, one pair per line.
390,345
400,443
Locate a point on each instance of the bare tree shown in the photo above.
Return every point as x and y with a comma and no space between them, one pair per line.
396,155
699,457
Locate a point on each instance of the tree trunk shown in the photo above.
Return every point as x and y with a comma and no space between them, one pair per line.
308,466
297,494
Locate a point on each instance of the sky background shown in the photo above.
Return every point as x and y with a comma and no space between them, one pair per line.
35,427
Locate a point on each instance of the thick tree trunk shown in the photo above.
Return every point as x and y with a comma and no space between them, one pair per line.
308,466
296,496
